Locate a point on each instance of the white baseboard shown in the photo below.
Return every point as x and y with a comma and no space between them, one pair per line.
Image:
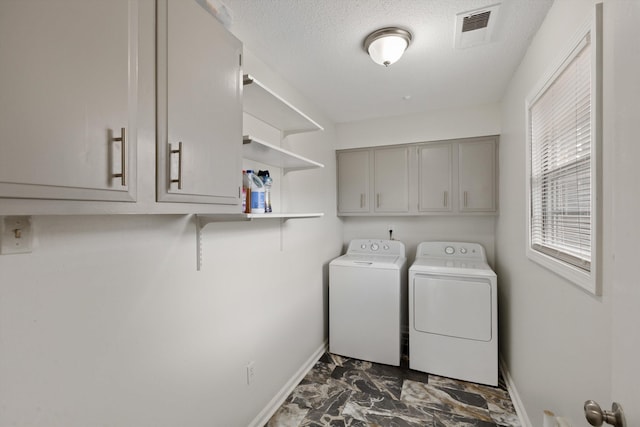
515,397
263,417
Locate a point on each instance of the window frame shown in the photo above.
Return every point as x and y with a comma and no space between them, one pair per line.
589,281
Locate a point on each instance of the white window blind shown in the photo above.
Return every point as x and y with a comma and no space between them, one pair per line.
561,167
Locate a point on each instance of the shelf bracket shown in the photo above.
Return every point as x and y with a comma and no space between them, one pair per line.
199,227
203,220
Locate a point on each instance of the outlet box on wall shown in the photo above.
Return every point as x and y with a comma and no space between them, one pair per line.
16,235
251,372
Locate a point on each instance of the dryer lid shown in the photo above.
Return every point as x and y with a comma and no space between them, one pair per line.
452,266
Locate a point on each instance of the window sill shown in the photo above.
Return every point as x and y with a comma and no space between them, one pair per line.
583,279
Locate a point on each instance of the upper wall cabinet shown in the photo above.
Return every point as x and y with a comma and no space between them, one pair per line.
435,178
199,106
391,179
373,181
477,176
458,176
353,181
68,81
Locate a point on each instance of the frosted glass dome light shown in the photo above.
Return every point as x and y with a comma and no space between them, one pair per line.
386,45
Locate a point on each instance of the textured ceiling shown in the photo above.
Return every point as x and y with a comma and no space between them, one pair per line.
316,45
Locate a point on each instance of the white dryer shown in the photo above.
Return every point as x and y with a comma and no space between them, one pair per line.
367,287
453,319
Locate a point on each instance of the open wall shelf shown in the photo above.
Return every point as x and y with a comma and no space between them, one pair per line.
205,219
264,104
260,151
268,107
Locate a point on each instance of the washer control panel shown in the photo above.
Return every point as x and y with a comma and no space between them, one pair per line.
466,250
379,247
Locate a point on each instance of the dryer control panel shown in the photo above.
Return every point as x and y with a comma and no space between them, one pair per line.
377,247
466,250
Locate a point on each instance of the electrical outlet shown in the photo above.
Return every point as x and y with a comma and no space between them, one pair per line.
251,372
16,235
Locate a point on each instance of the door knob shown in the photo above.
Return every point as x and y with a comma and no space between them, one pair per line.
596,416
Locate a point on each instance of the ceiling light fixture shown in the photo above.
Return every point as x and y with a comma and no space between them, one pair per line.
386,45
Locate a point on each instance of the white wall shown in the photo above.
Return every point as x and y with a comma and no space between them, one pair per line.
622,66
437,125
554,336
108,322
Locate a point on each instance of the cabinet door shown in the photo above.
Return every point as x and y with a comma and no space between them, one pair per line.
199,106
68,85
353,181
391,179
477,176
435,178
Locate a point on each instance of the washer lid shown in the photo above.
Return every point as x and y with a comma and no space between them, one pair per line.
452,266
372,261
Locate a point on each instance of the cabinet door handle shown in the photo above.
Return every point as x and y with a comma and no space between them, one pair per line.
362,200
123,157
377,200
179,153
446,197
465,199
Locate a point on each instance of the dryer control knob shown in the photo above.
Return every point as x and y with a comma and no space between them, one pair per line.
374,247
363,246
449,250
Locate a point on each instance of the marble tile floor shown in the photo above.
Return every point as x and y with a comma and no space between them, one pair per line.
344,392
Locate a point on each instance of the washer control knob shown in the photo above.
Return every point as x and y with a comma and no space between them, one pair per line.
374,247
449,250
463,250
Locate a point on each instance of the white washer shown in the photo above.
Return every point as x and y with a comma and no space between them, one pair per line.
367,287
453,319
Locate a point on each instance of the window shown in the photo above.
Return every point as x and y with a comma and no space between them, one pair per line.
563,129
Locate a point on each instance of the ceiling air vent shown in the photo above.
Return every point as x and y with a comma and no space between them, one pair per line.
475,22
475,27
